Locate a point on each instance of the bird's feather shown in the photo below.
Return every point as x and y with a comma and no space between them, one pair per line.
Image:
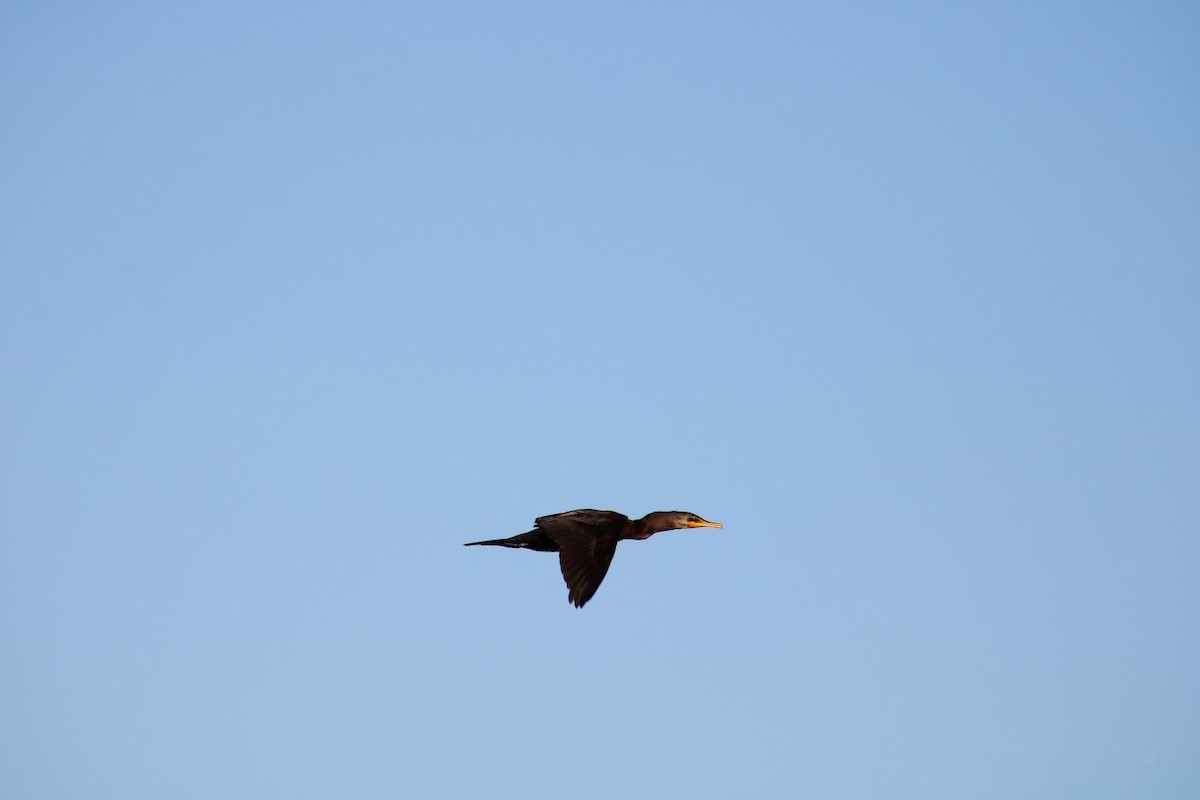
587,540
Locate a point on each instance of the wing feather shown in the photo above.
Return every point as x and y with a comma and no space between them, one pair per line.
587,540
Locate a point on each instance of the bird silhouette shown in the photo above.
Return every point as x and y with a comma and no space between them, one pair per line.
586,540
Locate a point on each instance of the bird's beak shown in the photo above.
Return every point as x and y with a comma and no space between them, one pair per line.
703,524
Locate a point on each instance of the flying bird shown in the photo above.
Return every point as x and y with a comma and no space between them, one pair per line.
586,541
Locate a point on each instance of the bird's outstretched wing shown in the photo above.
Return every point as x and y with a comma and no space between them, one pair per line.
587,540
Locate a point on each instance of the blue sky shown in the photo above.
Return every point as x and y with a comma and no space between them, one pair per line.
297,298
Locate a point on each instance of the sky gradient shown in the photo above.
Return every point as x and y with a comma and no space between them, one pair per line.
297,298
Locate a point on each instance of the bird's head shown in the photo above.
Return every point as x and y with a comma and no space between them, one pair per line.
671,520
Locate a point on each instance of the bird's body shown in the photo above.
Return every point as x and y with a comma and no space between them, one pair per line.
586,540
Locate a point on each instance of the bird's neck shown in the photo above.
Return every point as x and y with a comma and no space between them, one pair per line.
638,529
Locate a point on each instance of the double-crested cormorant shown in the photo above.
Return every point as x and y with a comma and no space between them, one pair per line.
586,540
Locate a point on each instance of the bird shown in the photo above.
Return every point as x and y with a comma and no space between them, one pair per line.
586,540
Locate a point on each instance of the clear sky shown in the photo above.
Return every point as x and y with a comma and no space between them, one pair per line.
297,298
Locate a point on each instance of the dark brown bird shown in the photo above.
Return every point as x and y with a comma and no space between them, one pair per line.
586,540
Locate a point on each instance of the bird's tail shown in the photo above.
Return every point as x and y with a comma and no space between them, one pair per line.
534,540
501,542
